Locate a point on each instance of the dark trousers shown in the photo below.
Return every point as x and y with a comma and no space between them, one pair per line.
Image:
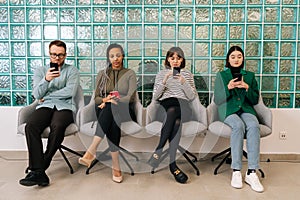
41,118
177,111
109,122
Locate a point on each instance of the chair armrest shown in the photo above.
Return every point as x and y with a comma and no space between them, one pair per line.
264,114
212,112
86,114
25,112
139,112
151,111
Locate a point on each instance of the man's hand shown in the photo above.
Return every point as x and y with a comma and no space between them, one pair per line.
50,75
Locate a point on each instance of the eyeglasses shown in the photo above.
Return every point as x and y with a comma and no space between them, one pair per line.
54,55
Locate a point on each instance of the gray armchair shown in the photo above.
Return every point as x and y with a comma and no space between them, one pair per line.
221,129
87,120
196,126
72,129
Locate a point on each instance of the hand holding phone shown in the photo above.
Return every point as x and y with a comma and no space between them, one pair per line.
176,71
238,76
116,94
54,65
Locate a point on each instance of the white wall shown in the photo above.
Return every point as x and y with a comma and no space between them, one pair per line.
283,119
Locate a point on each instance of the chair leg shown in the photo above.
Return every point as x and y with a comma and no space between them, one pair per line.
127,163
70,150
185,153
220,154
163,156
221,163
129,153
66,159
96,160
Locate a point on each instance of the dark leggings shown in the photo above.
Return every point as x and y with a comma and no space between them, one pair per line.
35,125
109,122
171,130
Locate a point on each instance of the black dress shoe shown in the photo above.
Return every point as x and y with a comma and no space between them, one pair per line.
35,178
179,176
154,160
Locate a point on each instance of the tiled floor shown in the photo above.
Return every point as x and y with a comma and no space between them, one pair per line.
282,181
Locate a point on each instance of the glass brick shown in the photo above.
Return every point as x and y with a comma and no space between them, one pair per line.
50,14
134,49
67,2
219,2
151,2
253,65
287,67
84,65
33,15
168,15
270,32
19,82
236,15
168,2
34,32
67,32
86,82
84,15
269,66
33,64
16,2
219,32
84,49
168,32
187,48
18,49
3,32
269,83
83,2
297,100
185,2
35,49
117,2
298,83
19,65
289,2
100,2
288,15
165,46
272,14
253,49
218,49
100,65
236,32
50,32
201,66
219,15
288,32
17,15
100,49
100,15
151,49
67,15
254,2
134,15
202,15
30,82
202,2
4,66
186,15
270,49
286,83
151,32
117,15
3,2
84,32
5,98
3,15
70,48
33,2
253,32
237,1
134,2
202,49
287,49
19,98
117,32
185,32
100,32
134,32
269,99
202,32
285,100
151,14
254,14
4,82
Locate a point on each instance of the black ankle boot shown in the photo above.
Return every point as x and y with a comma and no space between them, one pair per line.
35,178
179,175
154,160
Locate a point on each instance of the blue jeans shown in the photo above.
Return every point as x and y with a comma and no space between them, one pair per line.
248,124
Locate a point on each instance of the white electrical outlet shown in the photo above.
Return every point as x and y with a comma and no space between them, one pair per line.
283,135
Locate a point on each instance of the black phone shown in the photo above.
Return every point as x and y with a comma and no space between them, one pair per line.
176,70
238,76
55,65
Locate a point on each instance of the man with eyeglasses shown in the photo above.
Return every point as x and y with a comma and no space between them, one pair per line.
54,85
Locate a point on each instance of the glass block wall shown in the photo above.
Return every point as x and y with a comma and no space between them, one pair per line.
268,31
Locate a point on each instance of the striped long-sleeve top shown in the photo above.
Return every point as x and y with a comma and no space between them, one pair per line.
173,87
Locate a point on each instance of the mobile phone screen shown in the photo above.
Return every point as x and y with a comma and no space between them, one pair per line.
176,70
238,76
55,65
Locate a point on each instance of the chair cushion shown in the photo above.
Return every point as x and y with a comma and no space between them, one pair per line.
189,129
70,130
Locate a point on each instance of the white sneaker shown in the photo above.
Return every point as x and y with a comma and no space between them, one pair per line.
236,180
253,180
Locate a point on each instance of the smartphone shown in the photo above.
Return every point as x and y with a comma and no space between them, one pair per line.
115,93
238,76
55,65
176,70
